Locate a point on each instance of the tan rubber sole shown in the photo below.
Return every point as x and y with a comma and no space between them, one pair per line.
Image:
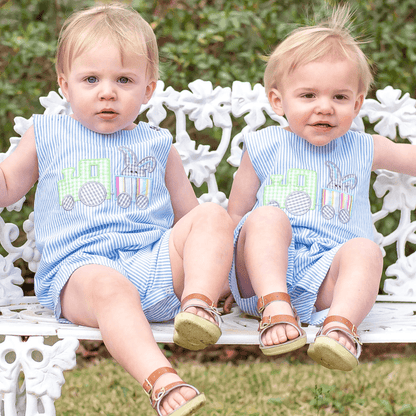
193,332
191,407
288,346
331,354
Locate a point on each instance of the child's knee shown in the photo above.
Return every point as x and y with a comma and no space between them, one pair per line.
368,249
112,287
216,216
364,252
268,216
373,252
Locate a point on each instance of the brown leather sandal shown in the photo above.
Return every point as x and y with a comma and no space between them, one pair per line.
156,397
194,332
269,321
330,353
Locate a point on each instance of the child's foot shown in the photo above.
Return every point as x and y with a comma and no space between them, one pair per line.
200,311
168,393
280,330
198,325
336,345
176,398
340,337
280,333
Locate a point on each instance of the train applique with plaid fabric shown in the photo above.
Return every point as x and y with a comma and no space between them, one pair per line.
298,194
94,182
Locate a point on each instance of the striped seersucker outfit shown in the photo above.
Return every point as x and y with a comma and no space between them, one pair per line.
323,191
102,199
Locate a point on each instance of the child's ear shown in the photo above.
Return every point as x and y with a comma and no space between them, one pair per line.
275,100
358,104
150,89
63,83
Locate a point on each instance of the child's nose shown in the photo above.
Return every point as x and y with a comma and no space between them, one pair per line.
107,92
324,106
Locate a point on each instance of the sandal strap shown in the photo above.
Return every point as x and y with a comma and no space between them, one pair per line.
199,296
267,321
210,308
151,380
264,301
340,319
350,331
159,395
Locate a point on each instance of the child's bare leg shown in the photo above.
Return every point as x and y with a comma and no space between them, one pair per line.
351,286
100,297
261,264
201,249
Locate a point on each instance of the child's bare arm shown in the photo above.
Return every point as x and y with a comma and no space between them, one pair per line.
19,171
182,195
397,157
244,189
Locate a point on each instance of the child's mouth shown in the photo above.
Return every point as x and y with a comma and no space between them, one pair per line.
107,114
322,125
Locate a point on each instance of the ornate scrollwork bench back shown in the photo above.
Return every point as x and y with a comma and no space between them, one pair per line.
34,345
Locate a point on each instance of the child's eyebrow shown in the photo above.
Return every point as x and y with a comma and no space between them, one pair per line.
313,89
345,91
96,71
305,89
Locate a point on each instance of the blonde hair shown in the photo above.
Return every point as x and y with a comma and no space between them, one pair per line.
311,43
122,24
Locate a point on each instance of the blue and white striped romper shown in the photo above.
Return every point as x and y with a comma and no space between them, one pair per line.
101,199
323,191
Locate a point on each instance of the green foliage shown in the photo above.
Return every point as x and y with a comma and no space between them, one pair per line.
29,30
393,410
277,388
221,41
215,40
329,396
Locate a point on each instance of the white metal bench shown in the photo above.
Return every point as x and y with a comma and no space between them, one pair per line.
36,349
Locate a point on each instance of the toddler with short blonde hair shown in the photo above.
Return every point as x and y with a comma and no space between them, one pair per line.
300,202
123,239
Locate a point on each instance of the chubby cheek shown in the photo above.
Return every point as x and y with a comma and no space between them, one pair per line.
346,119
133,108
83,104
296,120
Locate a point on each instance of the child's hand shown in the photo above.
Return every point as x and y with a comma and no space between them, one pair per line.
228,303
227,297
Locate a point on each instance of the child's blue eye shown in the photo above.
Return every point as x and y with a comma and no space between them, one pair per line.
91,80
123,80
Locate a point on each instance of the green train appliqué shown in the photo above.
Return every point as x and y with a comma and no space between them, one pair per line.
95,182
298,194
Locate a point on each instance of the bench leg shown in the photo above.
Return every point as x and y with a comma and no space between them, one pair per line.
31,373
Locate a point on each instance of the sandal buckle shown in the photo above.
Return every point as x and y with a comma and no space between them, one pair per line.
212,307
160,394
262,307
150,389
356,339
355,335
264,325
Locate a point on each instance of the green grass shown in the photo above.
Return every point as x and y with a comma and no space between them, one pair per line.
253,388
